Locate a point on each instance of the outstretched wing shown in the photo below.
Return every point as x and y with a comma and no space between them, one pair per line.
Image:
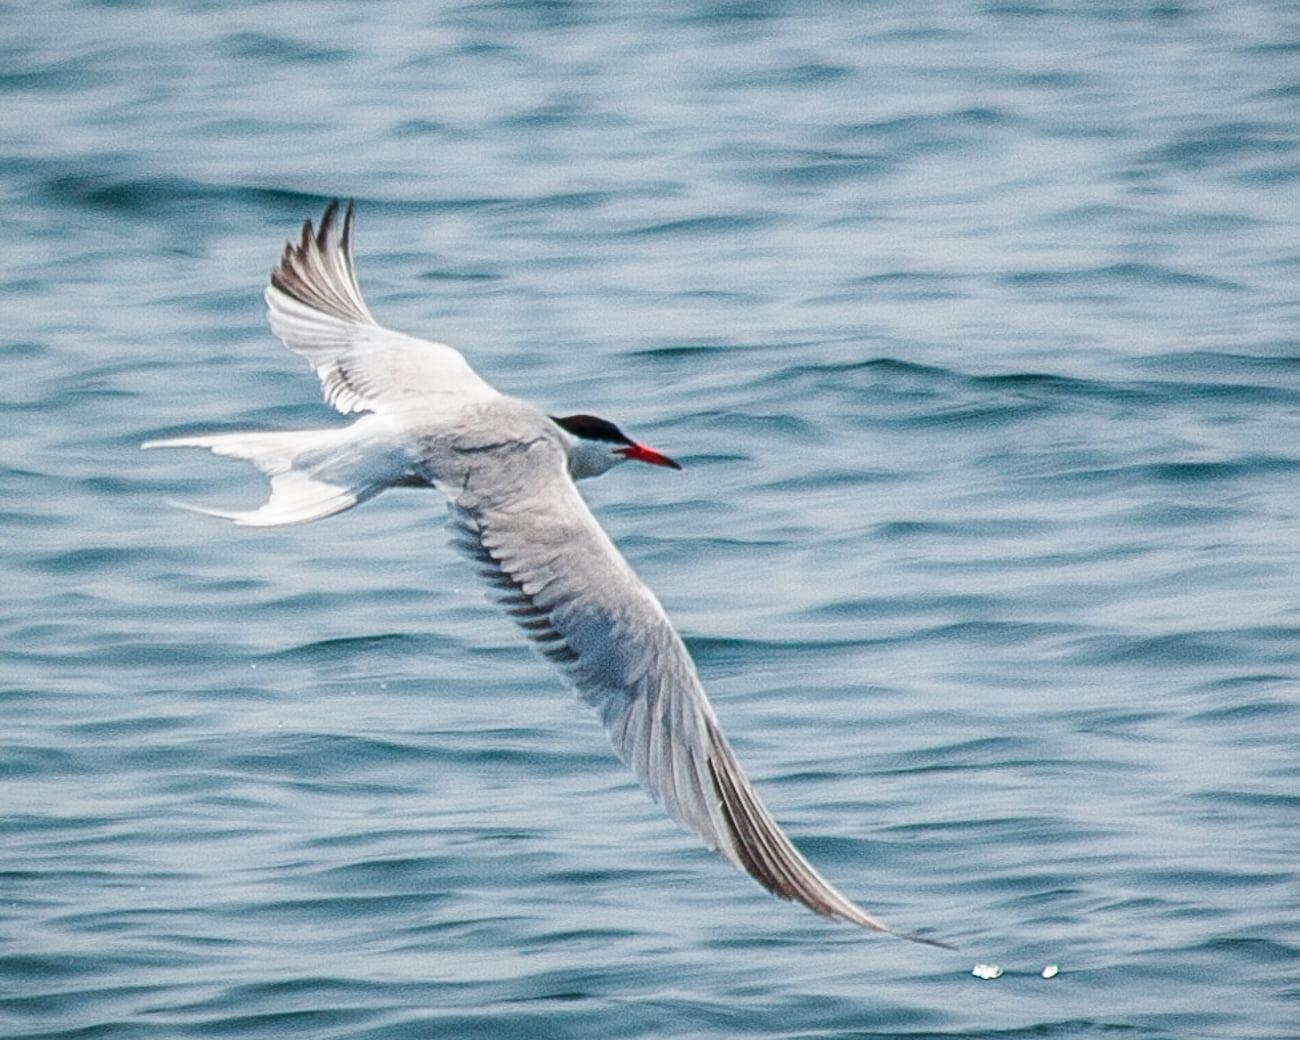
519,516
315,306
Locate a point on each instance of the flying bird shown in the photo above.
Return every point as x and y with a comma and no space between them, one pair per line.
508,471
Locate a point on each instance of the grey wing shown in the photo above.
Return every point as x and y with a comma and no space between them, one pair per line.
556,572
316,308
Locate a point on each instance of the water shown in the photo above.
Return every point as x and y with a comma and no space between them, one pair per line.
976,329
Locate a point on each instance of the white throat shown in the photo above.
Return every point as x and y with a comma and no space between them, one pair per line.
588,458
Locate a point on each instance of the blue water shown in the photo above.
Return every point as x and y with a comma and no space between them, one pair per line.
977,330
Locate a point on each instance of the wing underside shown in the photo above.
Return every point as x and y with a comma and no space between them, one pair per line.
568,588
315,306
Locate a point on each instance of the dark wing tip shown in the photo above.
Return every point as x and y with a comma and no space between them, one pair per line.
317,269
346,243
326,224
765,852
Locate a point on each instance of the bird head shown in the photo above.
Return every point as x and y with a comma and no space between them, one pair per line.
598,446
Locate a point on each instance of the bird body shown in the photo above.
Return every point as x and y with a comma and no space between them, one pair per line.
508,471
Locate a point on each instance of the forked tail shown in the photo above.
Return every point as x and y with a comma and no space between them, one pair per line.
314,473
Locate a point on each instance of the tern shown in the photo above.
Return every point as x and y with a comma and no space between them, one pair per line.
509,473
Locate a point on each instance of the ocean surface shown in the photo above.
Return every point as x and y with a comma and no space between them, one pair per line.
977,329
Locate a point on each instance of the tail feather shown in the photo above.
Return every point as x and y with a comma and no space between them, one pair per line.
314,473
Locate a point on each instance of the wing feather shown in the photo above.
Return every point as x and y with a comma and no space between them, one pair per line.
315,306
520,518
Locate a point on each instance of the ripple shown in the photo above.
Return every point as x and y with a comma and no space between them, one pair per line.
280,48
1120,275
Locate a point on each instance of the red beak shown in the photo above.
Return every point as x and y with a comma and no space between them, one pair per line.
640,453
